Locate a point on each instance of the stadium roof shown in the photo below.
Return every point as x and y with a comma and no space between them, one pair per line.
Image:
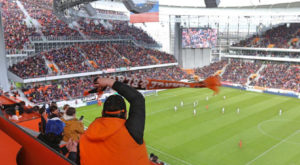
233,3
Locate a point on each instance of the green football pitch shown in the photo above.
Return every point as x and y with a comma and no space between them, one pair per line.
211,137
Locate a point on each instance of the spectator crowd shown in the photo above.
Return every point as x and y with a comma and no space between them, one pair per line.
67,89
89,57
238,71
16,29
211,69
280,76
284,36
31,67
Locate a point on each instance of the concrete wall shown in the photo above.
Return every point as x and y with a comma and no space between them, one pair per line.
193,58
3,67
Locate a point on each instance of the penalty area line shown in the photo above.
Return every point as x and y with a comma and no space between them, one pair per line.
274,146
171,156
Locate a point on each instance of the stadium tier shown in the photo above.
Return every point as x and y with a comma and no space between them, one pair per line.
207,71
27,19
238,71
283,36
17,29
280,76
68,89
89,57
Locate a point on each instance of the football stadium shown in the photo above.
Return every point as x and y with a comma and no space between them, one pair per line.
150,82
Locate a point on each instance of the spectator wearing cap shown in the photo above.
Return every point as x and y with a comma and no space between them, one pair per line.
74,127
113,139
53,136
53,133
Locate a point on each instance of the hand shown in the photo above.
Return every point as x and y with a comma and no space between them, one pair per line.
72,145
104,82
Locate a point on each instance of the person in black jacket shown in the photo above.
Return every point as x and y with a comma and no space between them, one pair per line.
42,124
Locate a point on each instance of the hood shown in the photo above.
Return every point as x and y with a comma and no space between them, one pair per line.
103,128
66,117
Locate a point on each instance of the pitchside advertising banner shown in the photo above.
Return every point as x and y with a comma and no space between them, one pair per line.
151,16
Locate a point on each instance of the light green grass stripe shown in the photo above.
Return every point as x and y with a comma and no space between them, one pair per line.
232,123
180,140
170,118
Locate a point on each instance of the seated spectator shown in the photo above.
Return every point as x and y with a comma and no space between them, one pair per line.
53,134
74,127
11,109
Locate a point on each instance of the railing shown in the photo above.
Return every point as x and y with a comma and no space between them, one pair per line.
54,38
265,49
93,38
105,16
297,60
54,76
28,47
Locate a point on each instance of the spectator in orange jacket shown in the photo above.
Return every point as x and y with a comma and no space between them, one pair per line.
111,139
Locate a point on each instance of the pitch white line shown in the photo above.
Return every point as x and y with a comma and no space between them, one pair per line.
173,157
259,127
262,154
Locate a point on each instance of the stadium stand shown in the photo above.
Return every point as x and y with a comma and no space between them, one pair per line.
207,71
30,67
73,88
17,30
90,57
36,20
283,36
68,60
238,71
53,27
280,76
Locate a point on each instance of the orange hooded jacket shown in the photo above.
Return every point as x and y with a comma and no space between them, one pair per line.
108,142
